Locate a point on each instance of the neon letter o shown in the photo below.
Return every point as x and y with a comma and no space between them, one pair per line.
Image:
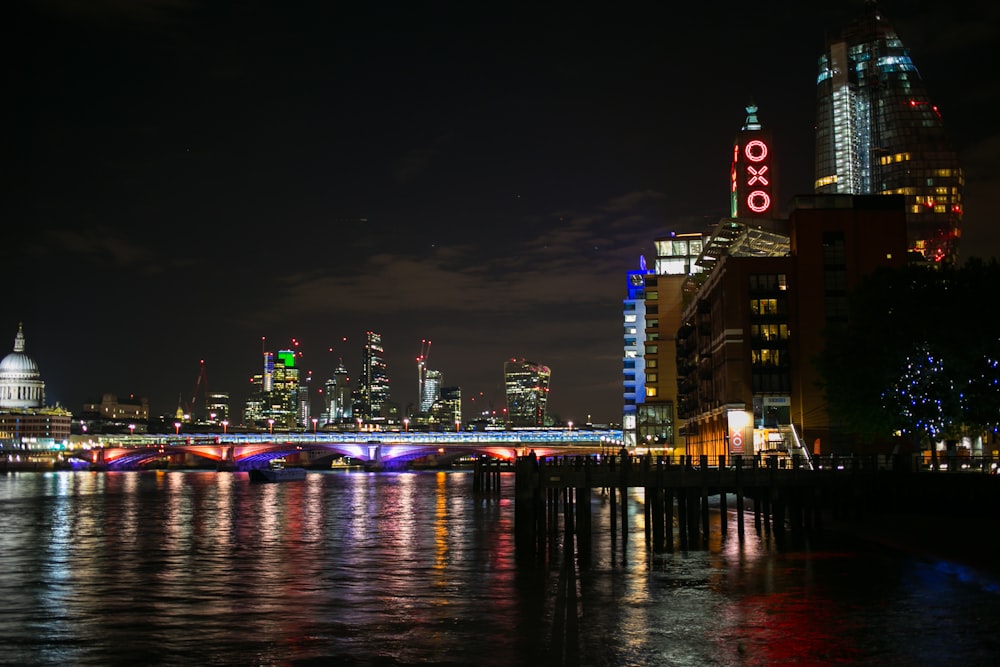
758,201
755,150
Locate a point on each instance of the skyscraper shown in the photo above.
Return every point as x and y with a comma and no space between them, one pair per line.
425,398
338,405
527,389
877,132
430,391
373,390
274,399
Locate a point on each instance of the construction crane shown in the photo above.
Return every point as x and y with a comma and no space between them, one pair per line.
200,383
425,352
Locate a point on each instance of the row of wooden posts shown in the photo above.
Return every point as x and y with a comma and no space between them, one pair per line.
782,496
547,489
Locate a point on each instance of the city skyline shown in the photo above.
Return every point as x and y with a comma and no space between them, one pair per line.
185,187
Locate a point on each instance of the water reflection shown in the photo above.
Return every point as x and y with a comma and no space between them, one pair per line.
170,568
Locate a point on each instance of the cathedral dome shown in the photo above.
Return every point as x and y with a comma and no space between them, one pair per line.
18,364
21,384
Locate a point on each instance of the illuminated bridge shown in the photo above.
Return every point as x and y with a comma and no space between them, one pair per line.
376,450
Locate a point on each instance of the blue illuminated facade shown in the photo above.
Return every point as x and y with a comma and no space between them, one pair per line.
633,364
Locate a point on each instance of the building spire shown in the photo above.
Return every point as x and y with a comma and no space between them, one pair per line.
19,338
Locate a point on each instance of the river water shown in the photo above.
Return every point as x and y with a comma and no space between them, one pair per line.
413,568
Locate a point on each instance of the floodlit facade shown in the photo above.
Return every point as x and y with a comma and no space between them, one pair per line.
654,303
25,421
753,325
430,389
879,132
633,363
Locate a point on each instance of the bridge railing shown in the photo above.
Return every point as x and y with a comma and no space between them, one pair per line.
513,438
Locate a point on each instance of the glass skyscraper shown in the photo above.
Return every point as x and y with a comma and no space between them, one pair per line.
374,385
878,132
527,390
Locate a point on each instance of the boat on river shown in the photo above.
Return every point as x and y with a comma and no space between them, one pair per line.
277,472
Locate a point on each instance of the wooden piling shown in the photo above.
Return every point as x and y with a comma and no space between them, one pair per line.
783,497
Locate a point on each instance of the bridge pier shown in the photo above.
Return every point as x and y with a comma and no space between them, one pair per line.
228,461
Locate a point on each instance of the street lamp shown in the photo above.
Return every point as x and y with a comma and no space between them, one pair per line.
359,424
314,420
177,428
270,426
225,425
406,425
131,430
457,424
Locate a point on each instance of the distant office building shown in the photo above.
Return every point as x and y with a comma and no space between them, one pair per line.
337,395
217,407
267,378
448,408
878,132
373,389
253,409
114,415
274,400
114,408
25,421
282,402
527,390
305,401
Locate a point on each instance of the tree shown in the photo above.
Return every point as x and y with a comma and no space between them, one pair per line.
918,355
925,397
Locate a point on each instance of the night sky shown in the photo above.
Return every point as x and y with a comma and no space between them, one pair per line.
186,178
